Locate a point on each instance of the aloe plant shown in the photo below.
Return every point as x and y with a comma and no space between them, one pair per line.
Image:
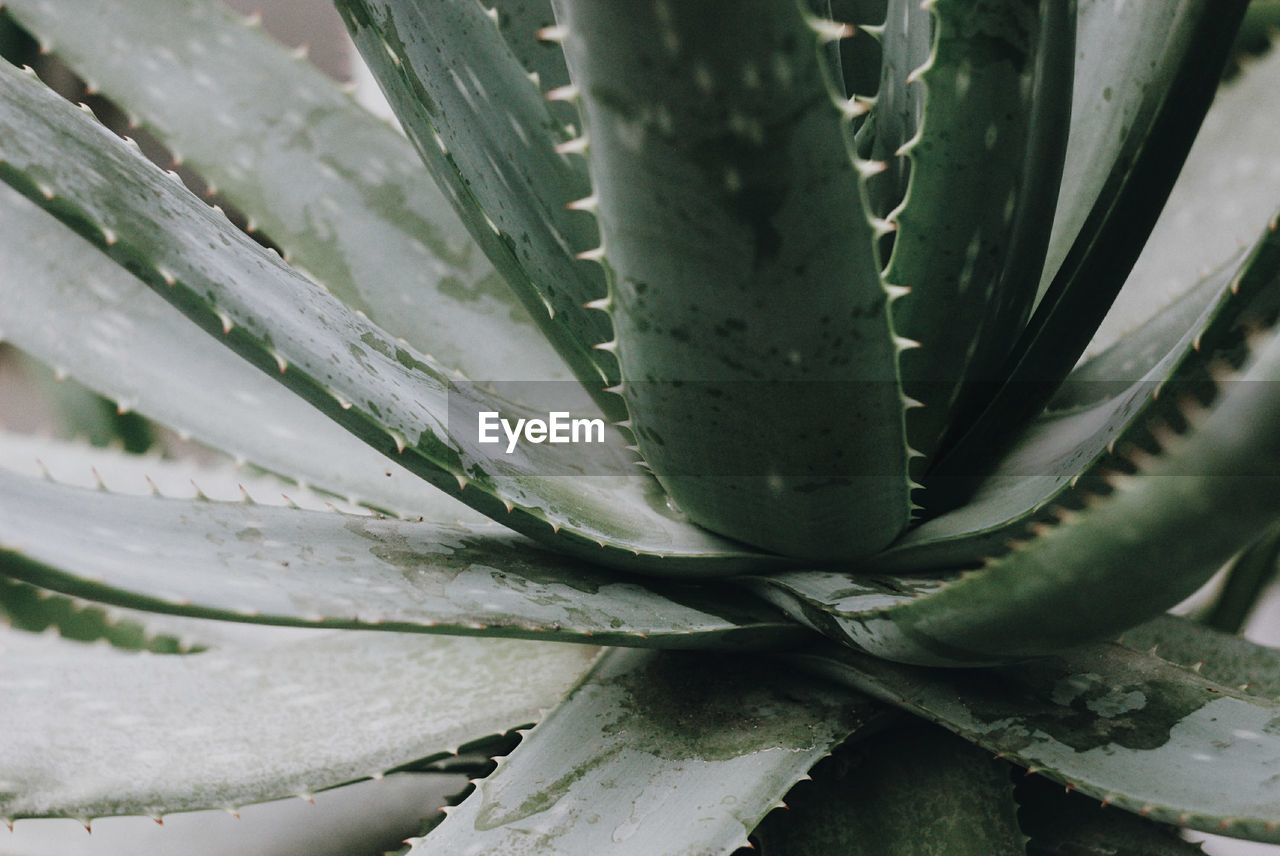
913,421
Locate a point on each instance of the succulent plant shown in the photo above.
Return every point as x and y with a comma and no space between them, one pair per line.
896,482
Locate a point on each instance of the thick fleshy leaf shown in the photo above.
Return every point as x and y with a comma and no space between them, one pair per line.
527,26
1124,727
285,566
985,164
87,731
722,158
79,465
491,140
338,190
913,791
654,754
1160,64
78,312
1126,556
1227,190
1111,402
1221,657
397,400
906,42
1061,823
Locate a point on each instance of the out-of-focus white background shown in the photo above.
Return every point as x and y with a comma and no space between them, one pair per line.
370,817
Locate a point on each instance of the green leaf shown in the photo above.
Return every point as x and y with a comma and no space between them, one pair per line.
727,186
87,732
36,610
1115,401
1126,556
906,43
113,335
338,190
1127,728
1221,657
1227,189
244,562
985,161
487,134
1061,823
77,465
913,791
1250,574
654,754
1146,75
525,26
384,392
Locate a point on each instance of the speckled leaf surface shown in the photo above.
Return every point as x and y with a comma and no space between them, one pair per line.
984,168
1226,191
286,566
1145,81
486,132
657,755
913,791
525,26
78,312
338,190
384,392
724,194
1128,728
1110,402
87,732
1125,557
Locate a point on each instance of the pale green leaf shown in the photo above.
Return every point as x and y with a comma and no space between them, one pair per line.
654,755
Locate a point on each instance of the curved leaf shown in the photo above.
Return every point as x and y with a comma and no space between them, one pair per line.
1123,727
1160,62
1111,402
1221,657
87,732
36,610
395,399
338,190
284,566
984,169
78,465
1126,556
487,134
726,186
115,336
1227,189
654,754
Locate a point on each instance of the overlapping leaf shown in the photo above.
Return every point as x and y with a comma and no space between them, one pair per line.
654,754
382,391
285,566
87,731
338,190
1121,726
